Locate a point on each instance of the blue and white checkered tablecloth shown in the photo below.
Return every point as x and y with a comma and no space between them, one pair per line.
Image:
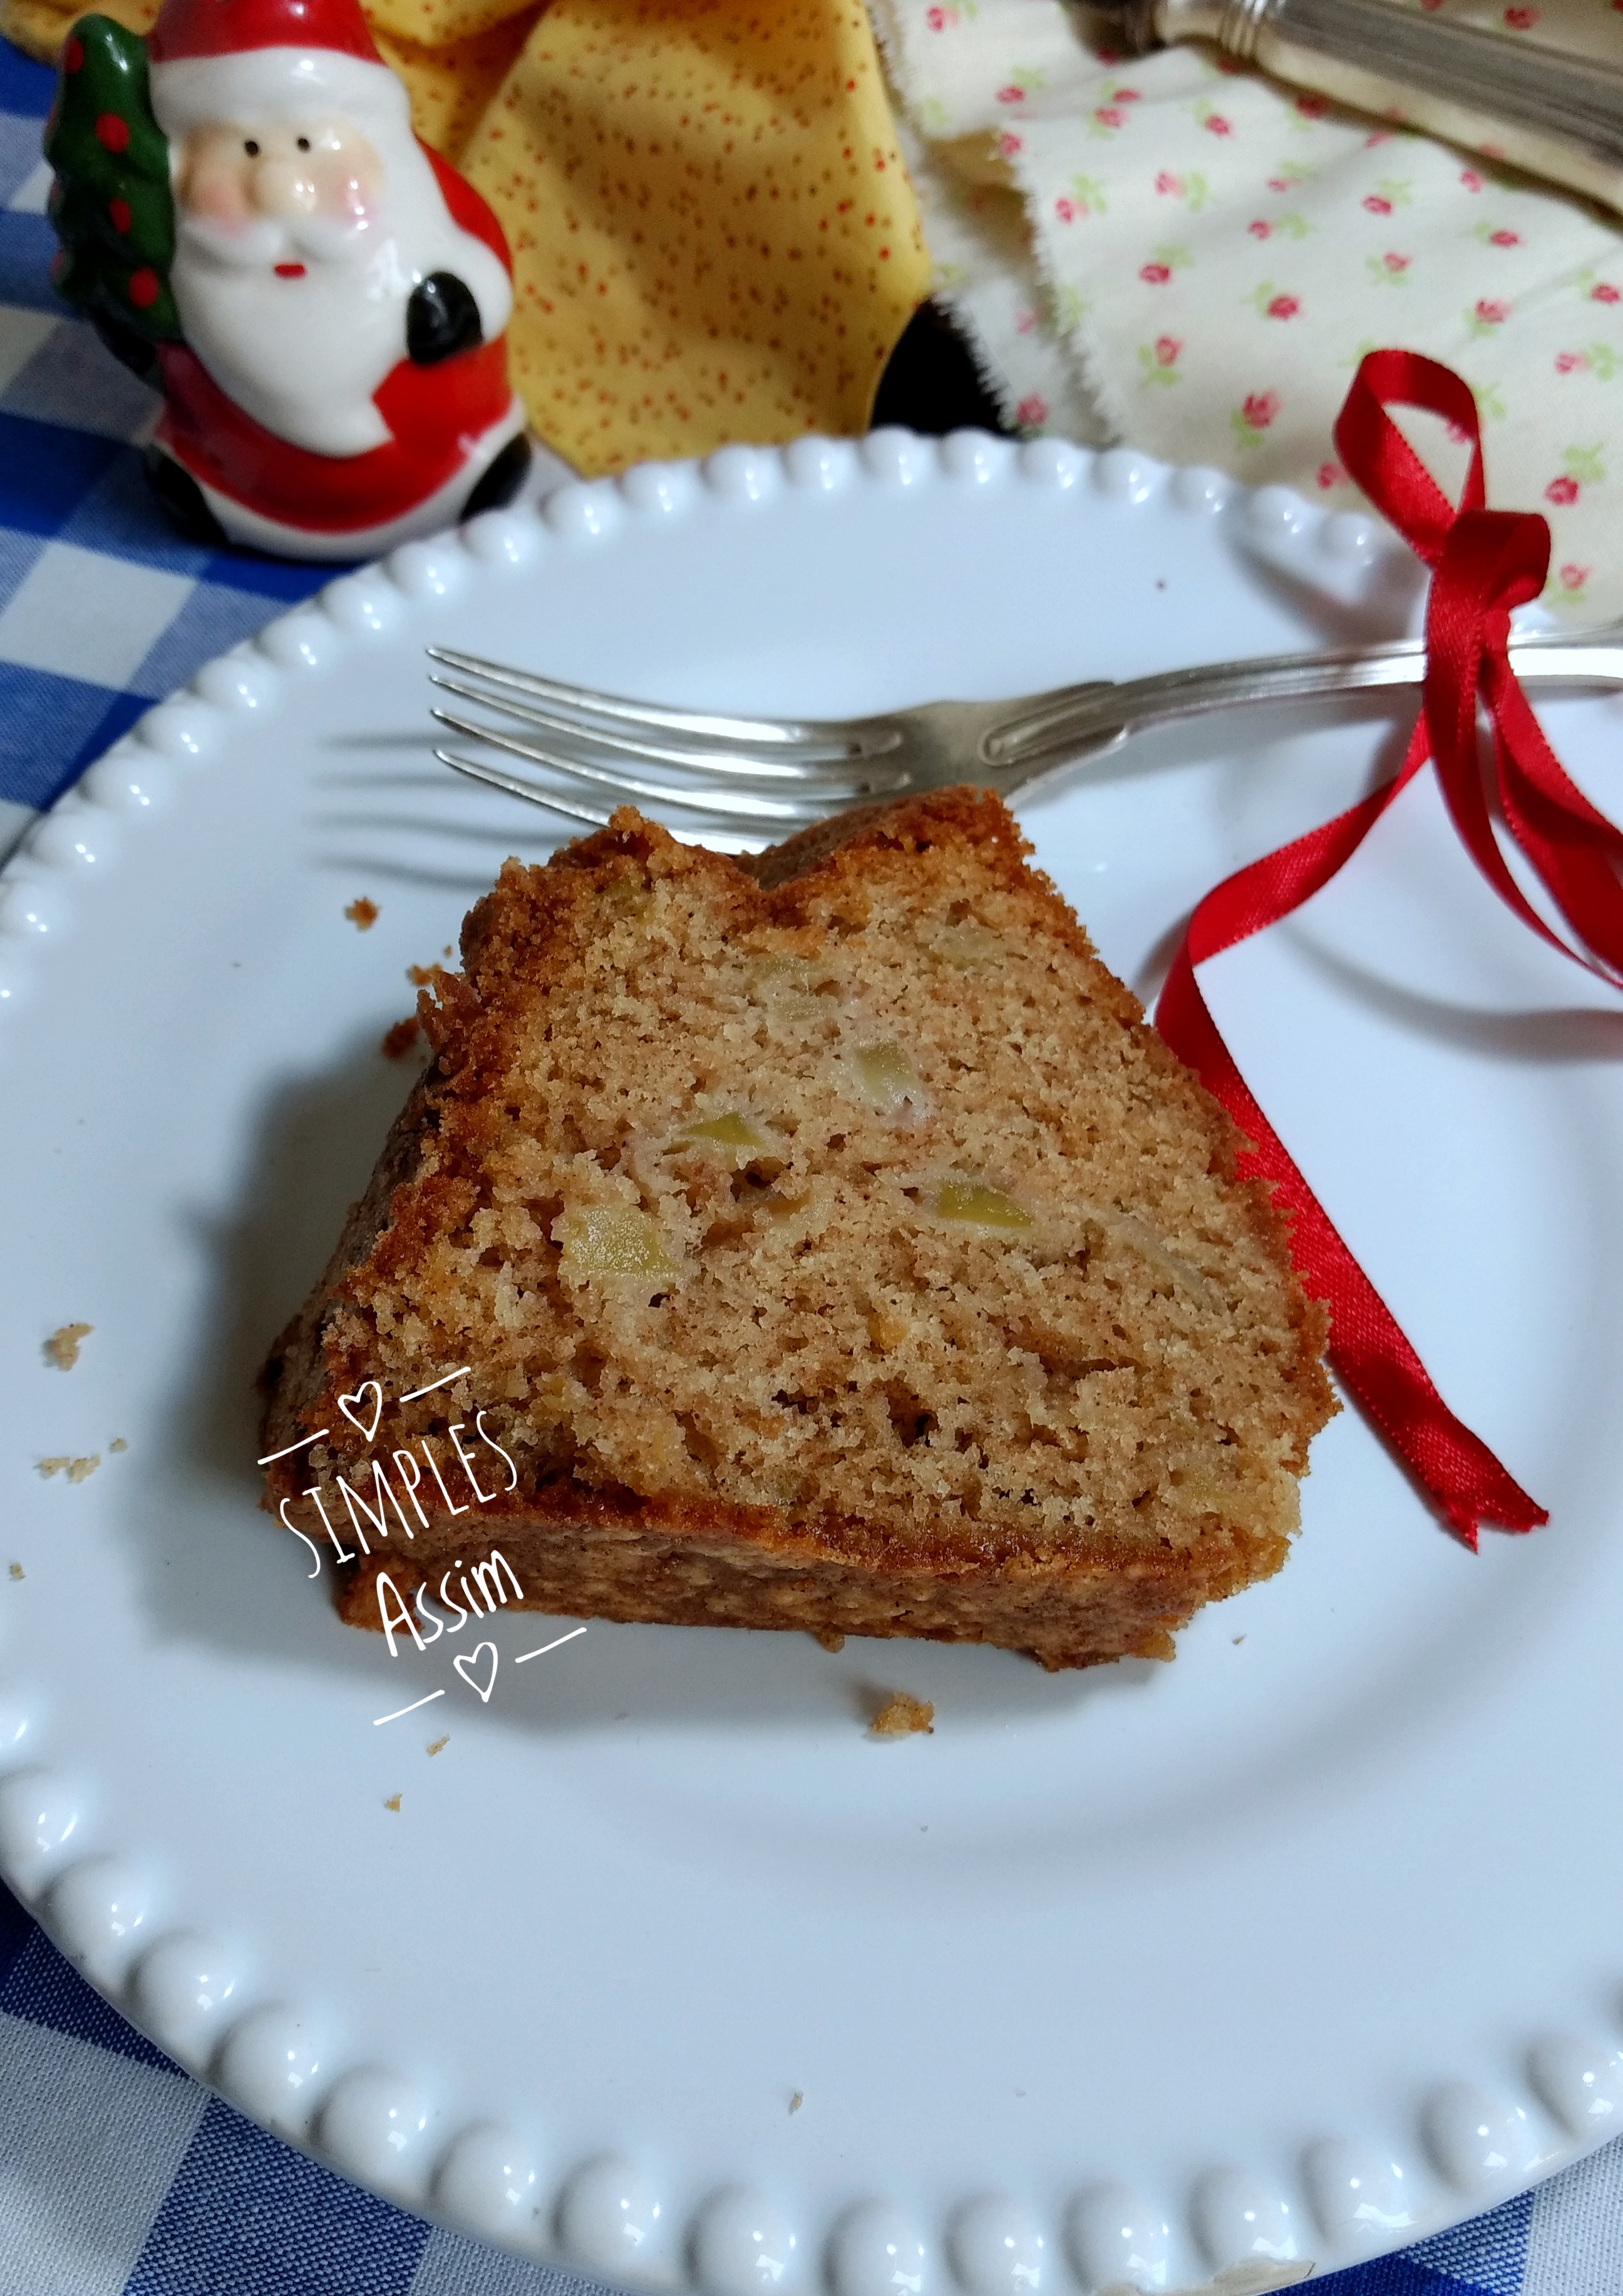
118,2173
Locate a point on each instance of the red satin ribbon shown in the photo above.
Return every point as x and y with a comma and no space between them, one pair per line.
1484,563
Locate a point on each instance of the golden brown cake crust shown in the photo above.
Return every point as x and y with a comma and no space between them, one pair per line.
832,1246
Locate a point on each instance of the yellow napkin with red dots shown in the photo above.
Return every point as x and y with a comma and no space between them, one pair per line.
713,234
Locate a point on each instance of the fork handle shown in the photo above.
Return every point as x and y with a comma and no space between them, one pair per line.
1558,114
1084,718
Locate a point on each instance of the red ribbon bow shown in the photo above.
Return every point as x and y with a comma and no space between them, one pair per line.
1484,563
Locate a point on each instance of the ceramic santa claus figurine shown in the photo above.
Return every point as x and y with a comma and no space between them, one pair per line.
248,220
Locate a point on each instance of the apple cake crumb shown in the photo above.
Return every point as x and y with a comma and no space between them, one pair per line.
75,1469
902,1716
16,1571
393,1803
118,1444
62,1347
363,914
796,2100
440,1742
399,1040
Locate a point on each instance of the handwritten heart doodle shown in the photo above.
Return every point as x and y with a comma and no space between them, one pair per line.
467,1666
350,1406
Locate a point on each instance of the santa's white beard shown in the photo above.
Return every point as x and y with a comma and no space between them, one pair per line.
304,357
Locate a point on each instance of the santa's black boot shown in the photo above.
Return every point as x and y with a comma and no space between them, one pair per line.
182,501
502,480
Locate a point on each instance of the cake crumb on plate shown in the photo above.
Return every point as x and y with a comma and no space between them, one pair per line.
75,1469
796,2100
118,1444
362,913
62,1347
901,1716
393,1803
16,1571
438,1743
399,1040
831,1638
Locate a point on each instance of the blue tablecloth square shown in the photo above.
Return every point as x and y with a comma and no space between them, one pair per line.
49,469
46,1989
246,2216
51,728
24,85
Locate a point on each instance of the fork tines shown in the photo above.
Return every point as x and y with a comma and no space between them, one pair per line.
767,775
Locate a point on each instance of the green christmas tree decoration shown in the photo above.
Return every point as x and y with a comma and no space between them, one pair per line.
110,204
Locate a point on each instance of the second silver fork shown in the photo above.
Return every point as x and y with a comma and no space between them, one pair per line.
761,778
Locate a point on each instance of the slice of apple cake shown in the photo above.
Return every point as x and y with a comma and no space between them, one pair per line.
821,1242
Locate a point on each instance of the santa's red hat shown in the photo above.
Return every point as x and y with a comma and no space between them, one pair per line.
217,62
228,28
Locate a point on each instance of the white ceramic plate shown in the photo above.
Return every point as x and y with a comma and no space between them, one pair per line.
1295,1950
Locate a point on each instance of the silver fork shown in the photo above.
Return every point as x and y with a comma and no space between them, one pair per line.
762,778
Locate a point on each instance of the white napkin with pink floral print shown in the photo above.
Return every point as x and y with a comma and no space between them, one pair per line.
1193,258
